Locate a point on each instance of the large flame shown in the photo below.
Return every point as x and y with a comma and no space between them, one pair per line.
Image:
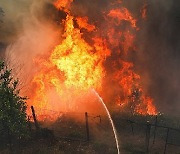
82,67
76,66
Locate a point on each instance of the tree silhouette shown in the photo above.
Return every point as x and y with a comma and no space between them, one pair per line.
13,123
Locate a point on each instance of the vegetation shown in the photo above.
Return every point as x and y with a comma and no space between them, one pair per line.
13,124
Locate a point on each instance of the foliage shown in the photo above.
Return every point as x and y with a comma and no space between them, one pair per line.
13,124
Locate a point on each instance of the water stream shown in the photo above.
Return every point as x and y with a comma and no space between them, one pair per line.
110,118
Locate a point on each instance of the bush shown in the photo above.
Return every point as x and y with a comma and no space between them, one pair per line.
13,123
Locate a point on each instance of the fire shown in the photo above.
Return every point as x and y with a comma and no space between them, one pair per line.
83,23
62,4
75,58
146,108
126,78
72,67
144,11
76,66
122,14
131,94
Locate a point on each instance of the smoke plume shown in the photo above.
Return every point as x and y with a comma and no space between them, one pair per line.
158,58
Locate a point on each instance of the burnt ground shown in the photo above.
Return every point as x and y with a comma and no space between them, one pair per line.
68,135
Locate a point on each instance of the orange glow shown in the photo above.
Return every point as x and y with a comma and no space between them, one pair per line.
126,77
147,107
144,11
127,42
131,93
83,23
122,14
75,66
62,4
151,110
74,57
72,67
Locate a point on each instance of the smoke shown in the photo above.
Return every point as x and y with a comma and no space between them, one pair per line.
31,28
28,30
158,44
158,57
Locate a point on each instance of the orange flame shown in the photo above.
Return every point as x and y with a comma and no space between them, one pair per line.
147,107
144,11
122,14
131,93
82,68
83,23
126,77
72,67
61,4
75,66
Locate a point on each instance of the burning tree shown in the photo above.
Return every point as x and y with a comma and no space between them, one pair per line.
13,122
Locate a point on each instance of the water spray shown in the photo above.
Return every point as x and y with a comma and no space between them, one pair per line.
110,118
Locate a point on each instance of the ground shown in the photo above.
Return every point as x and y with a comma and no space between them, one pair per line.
68,135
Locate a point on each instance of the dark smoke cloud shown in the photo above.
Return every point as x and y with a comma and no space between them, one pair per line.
158,57
29,24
